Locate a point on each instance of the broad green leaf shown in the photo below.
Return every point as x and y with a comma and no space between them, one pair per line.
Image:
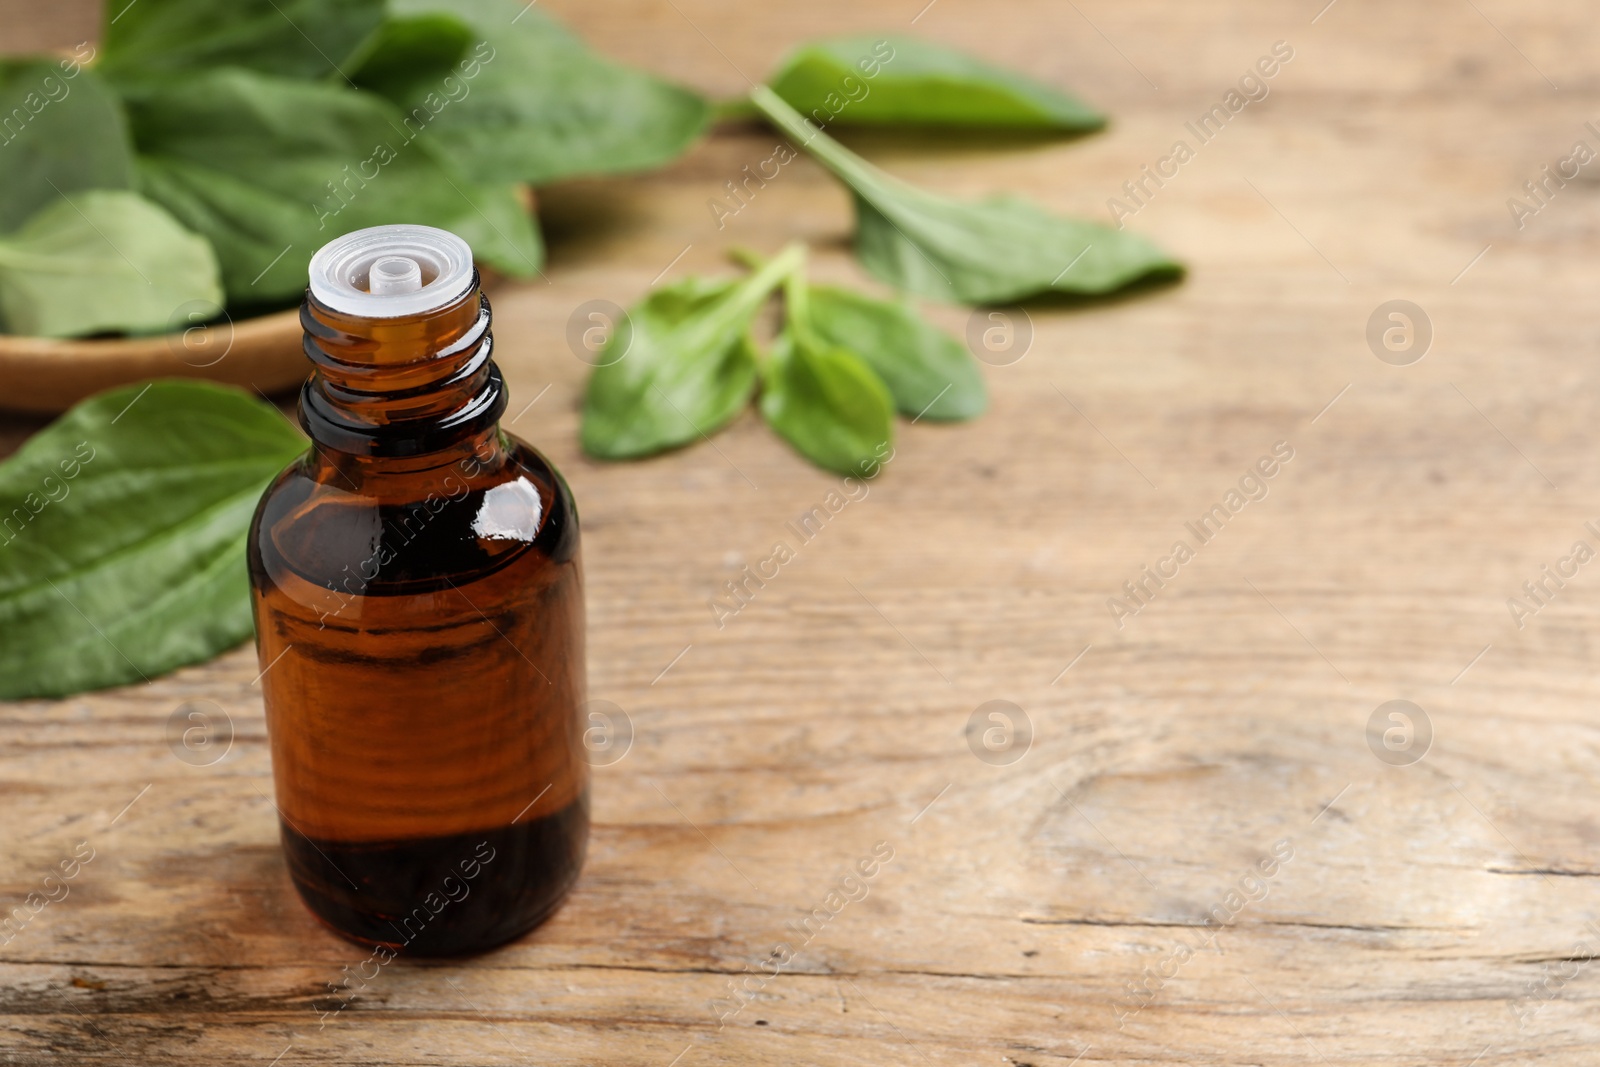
881,81
527,101
148,41
103,260
495,221
824,399
122,535
271,169
930,374
407,49
679,366
61,130
993,251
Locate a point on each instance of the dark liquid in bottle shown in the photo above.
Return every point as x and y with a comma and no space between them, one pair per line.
419,616
396,895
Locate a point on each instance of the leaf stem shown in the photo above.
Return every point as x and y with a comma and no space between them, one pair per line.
797,302
796,291
735,109
741,303
770,275
748,258
867,180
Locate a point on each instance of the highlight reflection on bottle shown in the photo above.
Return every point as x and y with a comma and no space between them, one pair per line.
418,599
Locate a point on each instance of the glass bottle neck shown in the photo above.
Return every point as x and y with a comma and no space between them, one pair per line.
383,476
403,393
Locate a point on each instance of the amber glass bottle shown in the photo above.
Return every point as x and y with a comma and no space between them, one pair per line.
419,618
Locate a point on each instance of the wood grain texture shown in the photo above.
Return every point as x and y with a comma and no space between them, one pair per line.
1437,913
27,27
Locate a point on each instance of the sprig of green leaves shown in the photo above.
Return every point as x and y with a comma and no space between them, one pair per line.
997,250
682,364
929,373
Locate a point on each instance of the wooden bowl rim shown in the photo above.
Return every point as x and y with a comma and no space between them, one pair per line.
21,347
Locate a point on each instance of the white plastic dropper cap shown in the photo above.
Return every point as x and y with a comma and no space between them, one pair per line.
395,274
387,272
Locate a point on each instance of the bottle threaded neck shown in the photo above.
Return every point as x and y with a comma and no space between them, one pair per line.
400,386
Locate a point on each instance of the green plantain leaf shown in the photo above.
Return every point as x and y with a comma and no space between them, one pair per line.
103,260
680,365
528,101
122,535
407,49
997,250
930,374
882,81
823,399
61,130
148,41
270,170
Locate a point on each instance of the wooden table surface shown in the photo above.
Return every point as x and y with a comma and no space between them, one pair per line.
1209,757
